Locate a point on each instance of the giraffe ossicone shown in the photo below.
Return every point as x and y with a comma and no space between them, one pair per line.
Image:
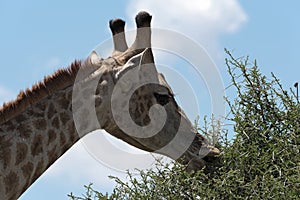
122,94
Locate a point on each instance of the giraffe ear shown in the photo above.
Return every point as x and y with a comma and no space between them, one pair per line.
94,58
131,64
128,76
139,69
147,56
142,63
147,69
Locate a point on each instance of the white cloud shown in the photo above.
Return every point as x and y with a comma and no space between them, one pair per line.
202,20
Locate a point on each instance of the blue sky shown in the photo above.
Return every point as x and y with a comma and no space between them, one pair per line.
39,37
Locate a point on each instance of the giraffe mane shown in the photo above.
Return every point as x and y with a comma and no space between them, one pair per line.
60,79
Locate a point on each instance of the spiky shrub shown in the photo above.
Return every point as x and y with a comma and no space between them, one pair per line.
261,161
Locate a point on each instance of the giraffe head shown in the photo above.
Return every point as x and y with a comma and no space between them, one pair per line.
133,102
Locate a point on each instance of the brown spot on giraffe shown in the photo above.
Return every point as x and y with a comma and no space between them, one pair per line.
24,131
51,111
22,151
62,138
51,136
55,122
41,107
63,103
37,145
40,124
20,118
27,170
5,151
52,154
73,133
9,126
64,118
10,182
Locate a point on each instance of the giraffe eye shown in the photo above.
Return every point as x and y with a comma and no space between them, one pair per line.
162,99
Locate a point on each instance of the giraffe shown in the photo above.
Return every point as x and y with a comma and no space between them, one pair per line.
43,122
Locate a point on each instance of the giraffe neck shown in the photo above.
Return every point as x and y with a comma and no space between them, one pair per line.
33,141
33,137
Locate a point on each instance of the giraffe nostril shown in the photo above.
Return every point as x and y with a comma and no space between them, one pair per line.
162,99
